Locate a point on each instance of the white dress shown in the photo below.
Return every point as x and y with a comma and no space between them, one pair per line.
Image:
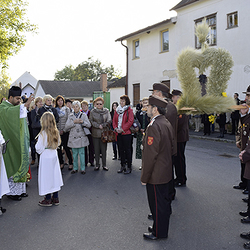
49,174
4,185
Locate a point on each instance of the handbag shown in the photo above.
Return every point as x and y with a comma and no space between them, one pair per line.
108,135
135,126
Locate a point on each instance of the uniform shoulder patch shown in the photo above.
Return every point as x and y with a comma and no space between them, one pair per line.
150,140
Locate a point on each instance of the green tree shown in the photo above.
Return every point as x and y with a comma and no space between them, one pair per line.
89,70
4,85
13,26
66,74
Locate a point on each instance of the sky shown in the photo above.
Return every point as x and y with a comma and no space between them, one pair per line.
69,32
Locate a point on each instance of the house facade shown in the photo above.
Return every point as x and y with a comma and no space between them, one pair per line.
27,83
152,51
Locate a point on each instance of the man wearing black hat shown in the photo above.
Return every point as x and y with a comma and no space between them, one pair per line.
157,171
179,160
242,137
161,90
13,125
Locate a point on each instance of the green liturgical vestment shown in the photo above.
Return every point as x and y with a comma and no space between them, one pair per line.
15,129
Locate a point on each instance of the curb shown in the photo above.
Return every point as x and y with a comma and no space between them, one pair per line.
211,138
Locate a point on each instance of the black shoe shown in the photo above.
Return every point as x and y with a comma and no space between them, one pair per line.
245,192
3,209
243,213
246,245
180,184
150,229
114,158
245,235
245,219
74,171
245,200
140,168
123,168
149,236
150,216
15,197
238,187
128,171
105,168
24,195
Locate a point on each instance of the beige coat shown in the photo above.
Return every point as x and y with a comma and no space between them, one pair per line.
77,136
99,117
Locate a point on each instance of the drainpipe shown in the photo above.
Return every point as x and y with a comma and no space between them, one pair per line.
126,86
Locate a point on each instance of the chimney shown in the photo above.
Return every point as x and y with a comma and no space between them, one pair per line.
20,85
103,82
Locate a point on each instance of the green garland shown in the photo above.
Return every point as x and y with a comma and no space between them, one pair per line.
220,62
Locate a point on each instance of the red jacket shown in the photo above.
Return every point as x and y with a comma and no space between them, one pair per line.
127,121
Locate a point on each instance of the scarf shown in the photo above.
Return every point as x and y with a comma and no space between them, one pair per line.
60,112
120,111
48,108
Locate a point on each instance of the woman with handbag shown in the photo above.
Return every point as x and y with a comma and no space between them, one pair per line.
63,112
78,139
122,121
100,119
143,119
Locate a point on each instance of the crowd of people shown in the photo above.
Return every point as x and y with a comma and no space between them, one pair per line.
59,132
224,121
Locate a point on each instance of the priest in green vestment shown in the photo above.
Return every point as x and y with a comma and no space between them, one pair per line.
13,124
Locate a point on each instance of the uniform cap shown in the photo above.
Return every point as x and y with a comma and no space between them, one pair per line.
176,92
157,101
160,86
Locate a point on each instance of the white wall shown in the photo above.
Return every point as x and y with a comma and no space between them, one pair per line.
115,94
39,92
150,66
27,90
25,78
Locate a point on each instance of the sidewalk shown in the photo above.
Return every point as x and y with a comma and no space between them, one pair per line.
213,136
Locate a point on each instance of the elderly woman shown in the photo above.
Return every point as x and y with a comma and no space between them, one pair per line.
144,120
122,121
47,107
99,118
89,151
63,112
78,139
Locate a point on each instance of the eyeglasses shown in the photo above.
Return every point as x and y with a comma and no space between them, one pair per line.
99,104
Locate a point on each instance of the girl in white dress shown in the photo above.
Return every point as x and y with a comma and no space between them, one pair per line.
49,175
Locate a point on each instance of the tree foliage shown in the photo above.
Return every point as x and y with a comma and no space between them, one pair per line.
89,70
4,85
13,26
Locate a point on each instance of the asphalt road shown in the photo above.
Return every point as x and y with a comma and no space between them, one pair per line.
106,210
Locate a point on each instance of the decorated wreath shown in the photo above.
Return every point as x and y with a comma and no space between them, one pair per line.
211,96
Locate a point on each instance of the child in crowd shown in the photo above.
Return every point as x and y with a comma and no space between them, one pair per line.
49,175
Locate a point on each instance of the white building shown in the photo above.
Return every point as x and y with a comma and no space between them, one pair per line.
27,83
152,51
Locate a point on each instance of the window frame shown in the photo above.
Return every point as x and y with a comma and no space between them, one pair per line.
162,32
197,45
134,49
232,14
135,101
